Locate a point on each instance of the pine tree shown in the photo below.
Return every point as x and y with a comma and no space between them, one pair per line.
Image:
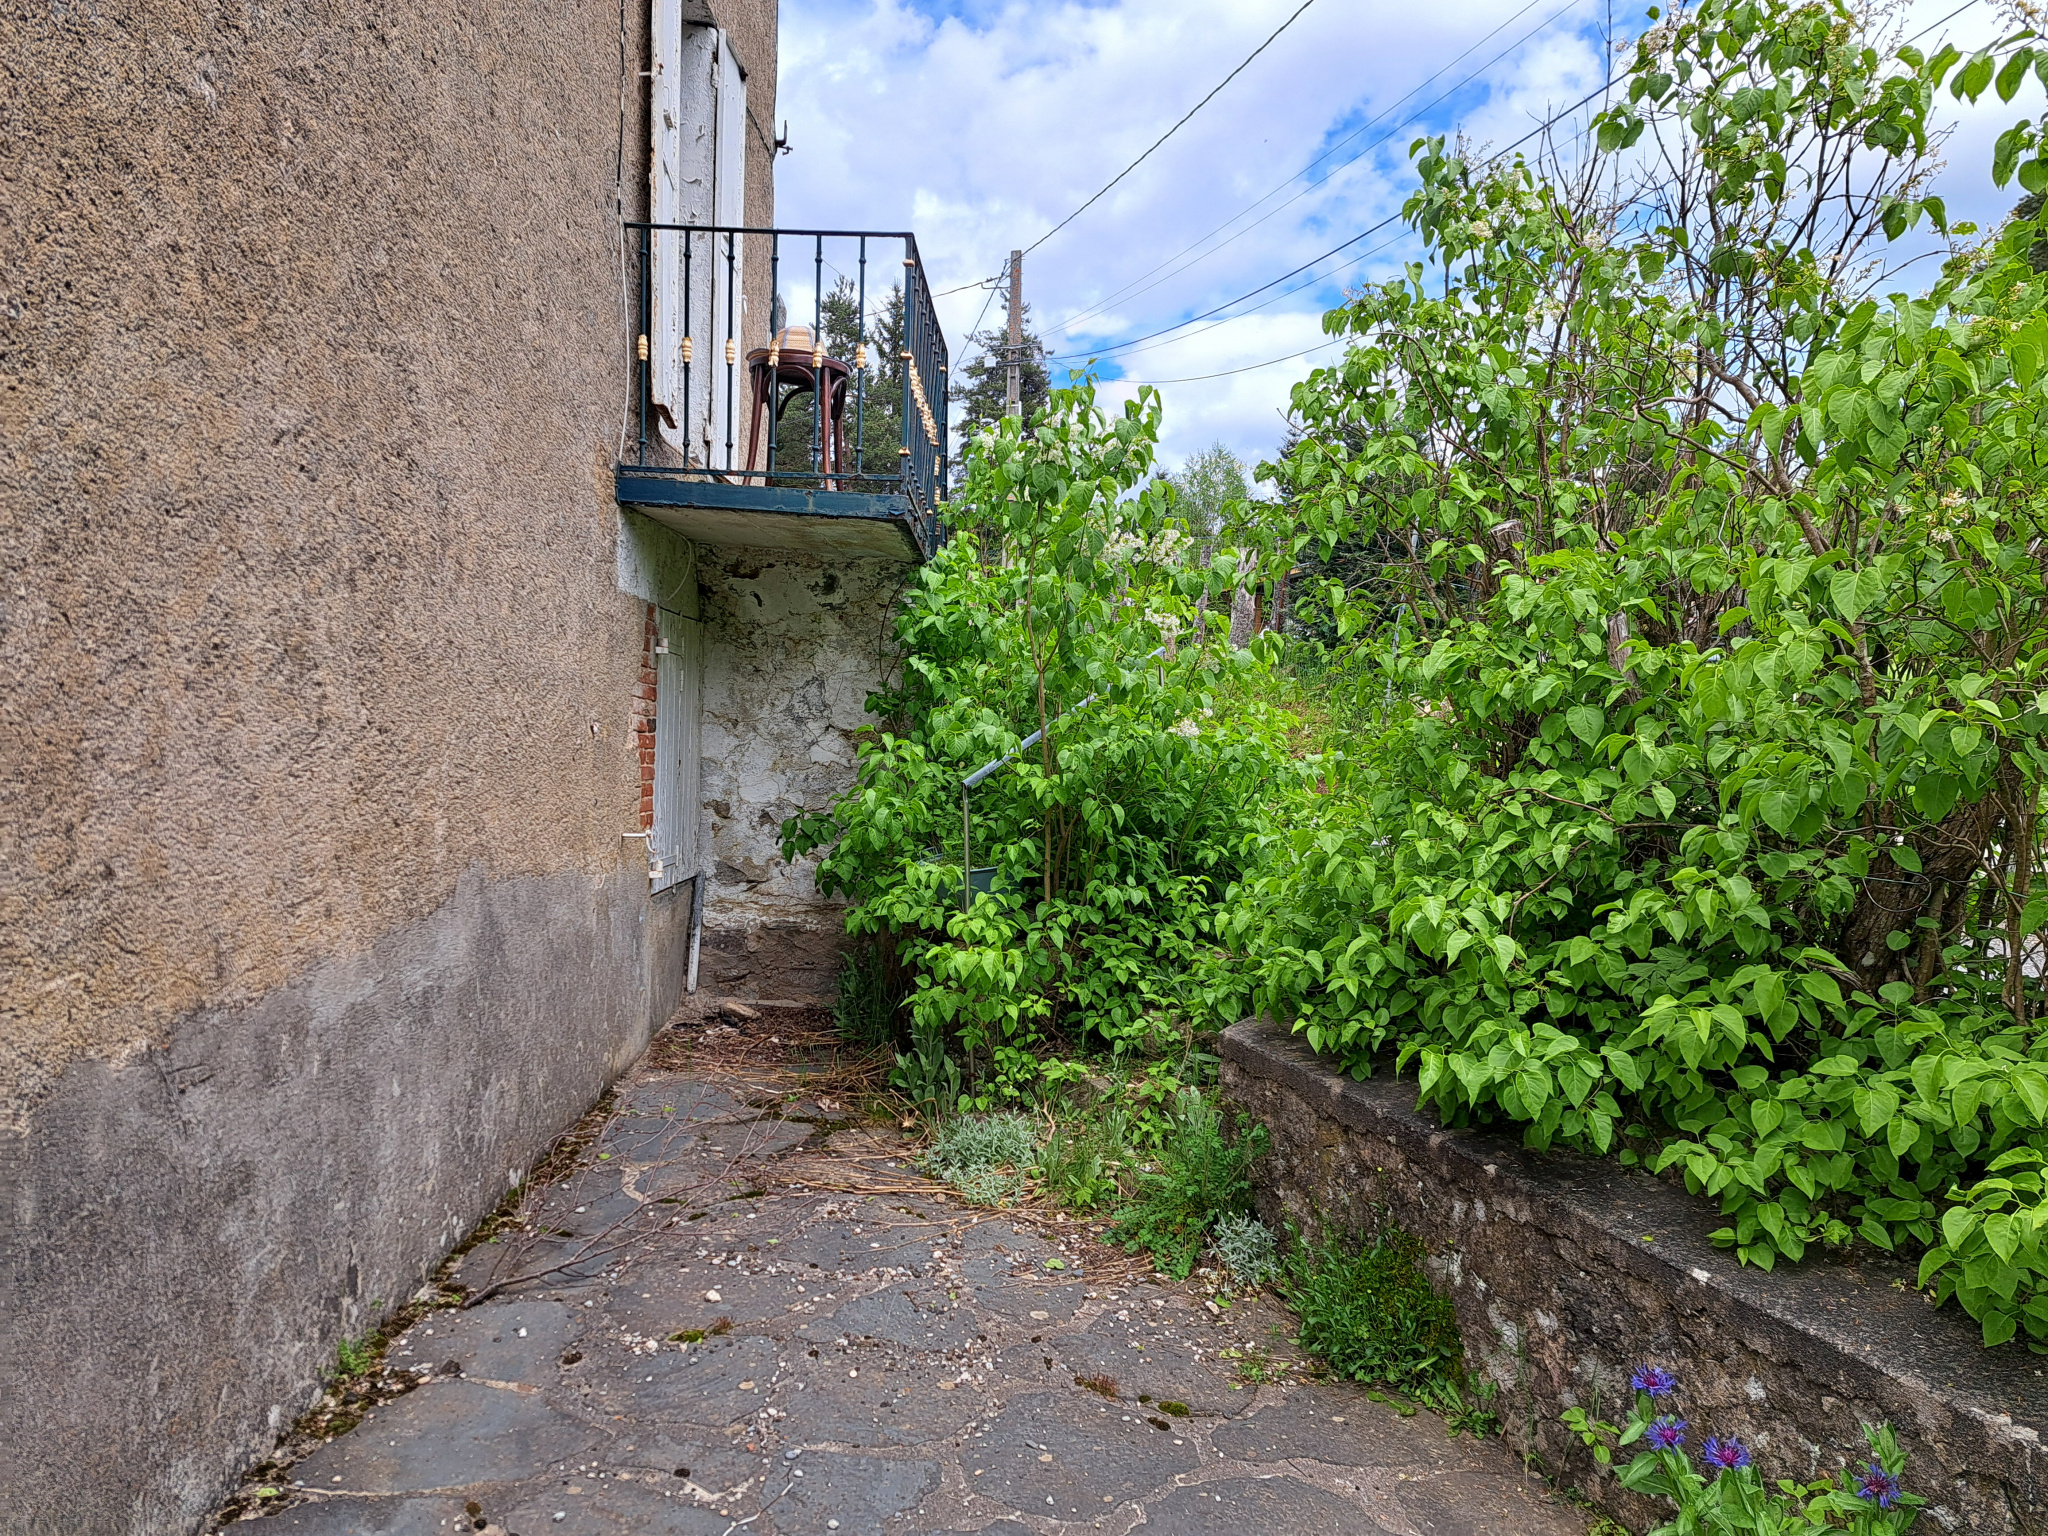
874,397
979,384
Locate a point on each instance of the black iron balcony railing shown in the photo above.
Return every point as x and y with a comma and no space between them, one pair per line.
847,395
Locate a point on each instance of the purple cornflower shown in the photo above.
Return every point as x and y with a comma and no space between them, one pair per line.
1878,1485
1666,1433
1724,1455
1655,1380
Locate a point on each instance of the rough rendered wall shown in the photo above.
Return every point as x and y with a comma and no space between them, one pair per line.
796,644
316,692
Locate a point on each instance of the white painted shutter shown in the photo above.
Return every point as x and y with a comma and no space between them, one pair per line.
678,682
682,189
728,398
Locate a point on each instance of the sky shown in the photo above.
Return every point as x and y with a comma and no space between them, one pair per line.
981,124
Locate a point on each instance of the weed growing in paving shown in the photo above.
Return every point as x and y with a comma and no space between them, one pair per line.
1245,1245
865,1013
1198,1177
1371,1316
988,1186
1078,1166
357,1357
983,1156
925,1074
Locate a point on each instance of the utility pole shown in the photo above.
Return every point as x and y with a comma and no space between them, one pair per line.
1013,390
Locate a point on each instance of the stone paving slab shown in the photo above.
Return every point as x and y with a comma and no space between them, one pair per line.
1239,1505
827,1362
348,1516
451,1434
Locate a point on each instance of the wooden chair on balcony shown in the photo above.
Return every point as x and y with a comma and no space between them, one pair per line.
795,358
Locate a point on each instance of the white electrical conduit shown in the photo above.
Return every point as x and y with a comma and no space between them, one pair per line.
974,778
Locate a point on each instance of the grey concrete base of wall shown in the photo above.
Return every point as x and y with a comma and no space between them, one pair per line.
188,1233
777,959
1567,1271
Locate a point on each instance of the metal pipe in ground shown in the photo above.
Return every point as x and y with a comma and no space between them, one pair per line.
696,924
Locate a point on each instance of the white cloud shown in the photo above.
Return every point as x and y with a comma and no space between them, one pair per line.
982,133
979,131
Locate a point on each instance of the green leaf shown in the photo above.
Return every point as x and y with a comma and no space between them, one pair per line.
1825,988
1901,1133
1779,809
1667,802
1586,722
2033,1092
2001,1234
1856,592
2011,76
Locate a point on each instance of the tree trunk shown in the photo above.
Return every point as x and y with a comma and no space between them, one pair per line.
1894,899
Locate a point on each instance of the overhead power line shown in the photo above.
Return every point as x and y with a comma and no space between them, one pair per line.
1342,245
1386,245
1227,372
1176,128
990,282
1132,288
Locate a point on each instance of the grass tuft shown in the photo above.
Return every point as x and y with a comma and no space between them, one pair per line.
1200,1176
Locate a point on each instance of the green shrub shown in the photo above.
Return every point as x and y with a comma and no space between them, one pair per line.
1245,1245
1703,827
1369,1314
974,1144
1198,1176
1116,834
865,1012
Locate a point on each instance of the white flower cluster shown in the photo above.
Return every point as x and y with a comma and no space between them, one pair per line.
1168,547
1189,726
1168,624
1123,545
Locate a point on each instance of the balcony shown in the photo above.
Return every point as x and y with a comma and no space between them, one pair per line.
731,446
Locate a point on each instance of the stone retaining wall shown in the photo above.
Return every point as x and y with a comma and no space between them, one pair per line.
1567,1271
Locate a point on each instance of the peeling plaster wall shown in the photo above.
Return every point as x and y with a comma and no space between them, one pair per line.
795,644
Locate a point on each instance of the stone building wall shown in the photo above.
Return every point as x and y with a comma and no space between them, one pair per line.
1568,1272
796,644
316,689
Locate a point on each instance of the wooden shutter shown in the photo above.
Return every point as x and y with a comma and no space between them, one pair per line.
727,406
678,682
682,189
